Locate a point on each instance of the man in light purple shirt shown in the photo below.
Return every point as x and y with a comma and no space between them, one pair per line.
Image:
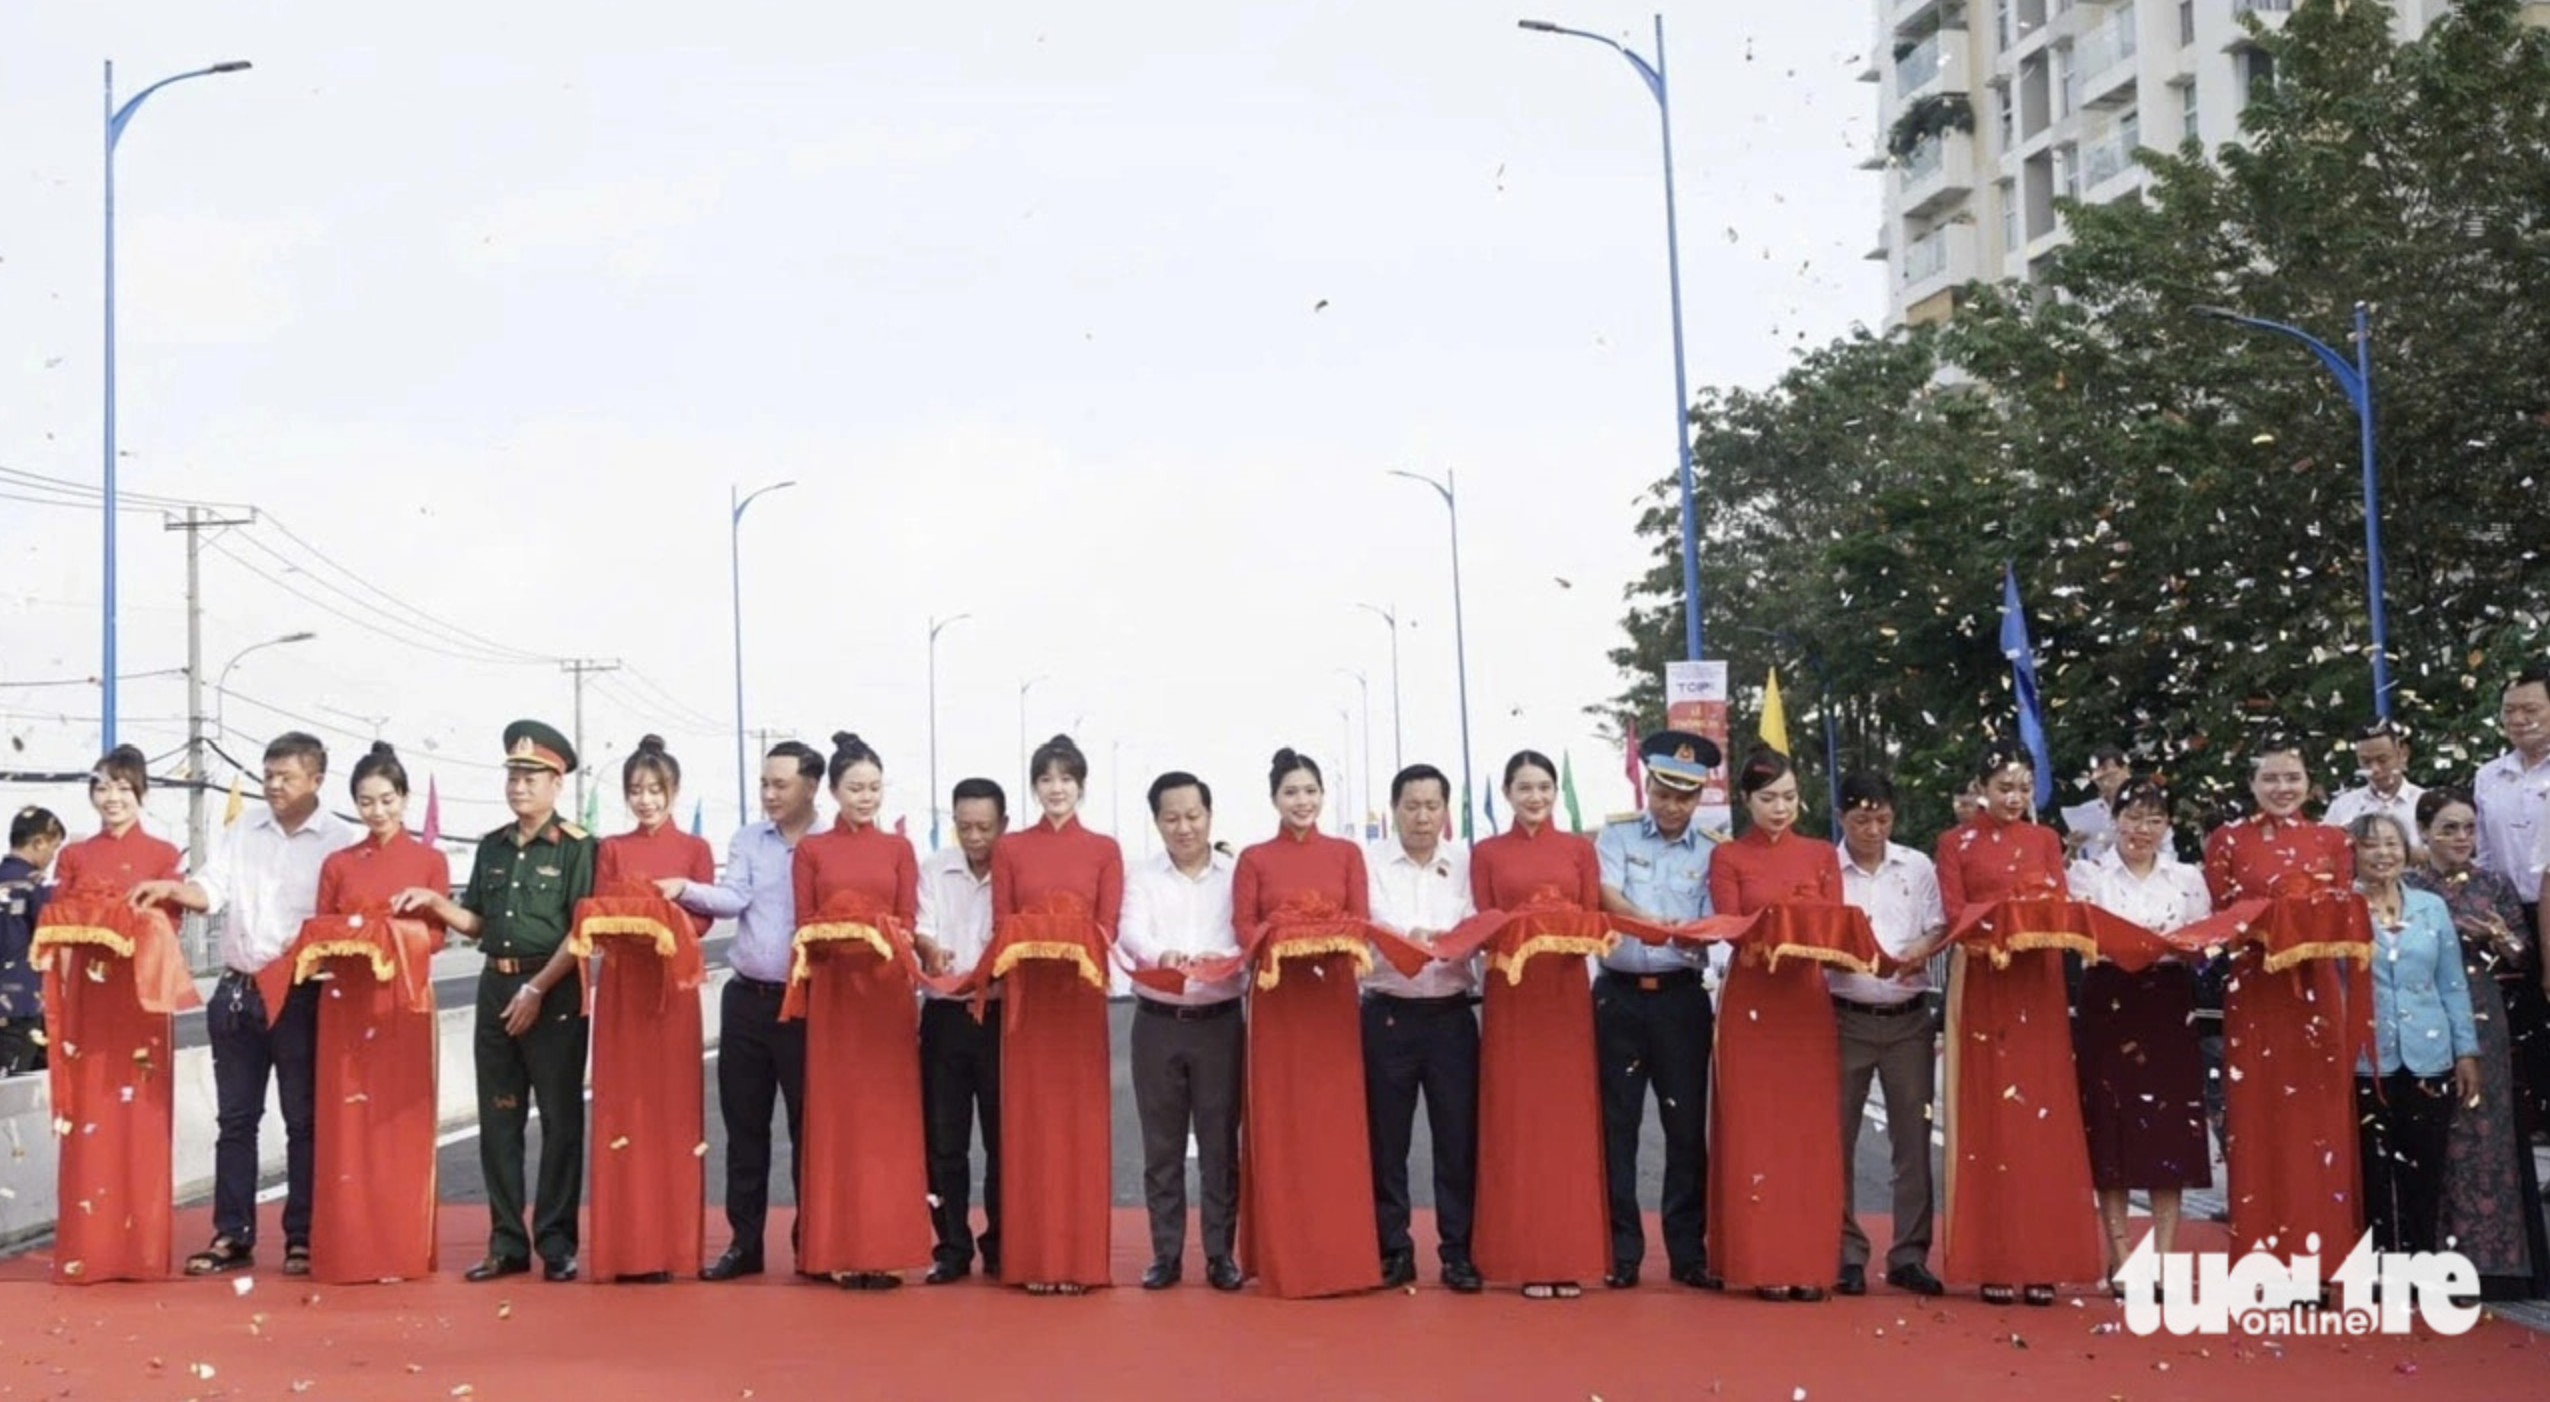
759,1059
1421,1036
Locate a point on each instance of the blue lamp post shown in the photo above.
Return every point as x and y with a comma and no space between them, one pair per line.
2355,377
116,118
1653,74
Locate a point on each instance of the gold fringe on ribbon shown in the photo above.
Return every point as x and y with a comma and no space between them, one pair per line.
2065,940
1314,947
1841,959
51,937
830,931
384,963
1511,965
581,945
1090,973
2284,959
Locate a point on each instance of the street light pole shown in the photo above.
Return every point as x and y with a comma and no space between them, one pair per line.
196,767
1460,643
935,625
116,118
1398,738
2356,380
1363,689
735,563
1654,77
1026,756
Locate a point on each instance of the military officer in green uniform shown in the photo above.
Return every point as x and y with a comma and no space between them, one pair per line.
531,1033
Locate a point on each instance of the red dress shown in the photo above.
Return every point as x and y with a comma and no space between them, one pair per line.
1055,1193
1542,1213
2019,1194
2289,1132
111,1077
1306,1210
372,1213
1774,1190
649,1184
867,1205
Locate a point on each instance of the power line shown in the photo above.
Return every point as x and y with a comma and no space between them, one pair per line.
480,639
375,624
92,681
332,728
73,493
465,646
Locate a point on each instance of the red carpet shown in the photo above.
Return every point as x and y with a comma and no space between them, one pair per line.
778,1337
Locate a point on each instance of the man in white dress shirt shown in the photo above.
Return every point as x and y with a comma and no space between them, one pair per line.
2381,753
1420,1035
960,1056
1187,1046
263,878
1886,1031
2512,795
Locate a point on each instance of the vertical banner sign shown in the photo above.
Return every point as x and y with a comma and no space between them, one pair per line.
1696,701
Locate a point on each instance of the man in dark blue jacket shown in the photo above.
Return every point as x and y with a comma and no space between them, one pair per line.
34,836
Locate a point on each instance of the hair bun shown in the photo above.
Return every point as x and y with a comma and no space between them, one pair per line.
129,754
650,744
383,749
1063,742
1286,758
846,742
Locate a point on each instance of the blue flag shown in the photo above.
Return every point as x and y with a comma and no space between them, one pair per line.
2014,645
695,817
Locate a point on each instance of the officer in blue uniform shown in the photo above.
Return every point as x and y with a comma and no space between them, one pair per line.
1652,1020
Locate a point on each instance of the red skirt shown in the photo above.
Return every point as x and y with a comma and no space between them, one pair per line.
866,1204
2020,1209
1055,1194
1775,1183
648,1171
114,1107
1306,1213
372,1197
1542,1213
2289,1131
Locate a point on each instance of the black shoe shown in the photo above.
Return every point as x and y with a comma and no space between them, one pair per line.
495,1268
1697,1277
1915,1278
1223,1273
736,1263
558,1270
1852,1281
1623,1276
1163,1274
991,1266
1398,1269
645,1278
1462,1278
1807,1294
946,1273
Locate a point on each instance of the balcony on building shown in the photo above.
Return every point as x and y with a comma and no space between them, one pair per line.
2108,167
2103,61
1936,175
1936,64
1936,262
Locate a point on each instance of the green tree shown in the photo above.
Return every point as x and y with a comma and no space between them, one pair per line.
2179,497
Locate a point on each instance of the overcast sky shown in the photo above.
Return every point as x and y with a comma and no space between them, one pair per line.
492,303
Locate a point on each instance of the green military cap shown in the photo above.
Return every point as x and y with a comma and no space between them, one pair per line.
531,745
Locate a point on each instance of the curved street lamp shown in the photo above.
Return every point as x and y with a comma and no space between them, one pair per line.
936,624
735,560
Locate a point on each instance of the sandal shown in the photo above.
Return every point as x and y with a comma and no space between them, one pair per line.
1999,1295
1772,1292
1553,1290
296,1258
225,1254
2041,1296
1056,1287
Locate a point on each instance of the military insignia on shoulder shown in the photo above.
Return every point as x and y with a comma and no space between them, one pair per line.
572,831
1717,834
1617,819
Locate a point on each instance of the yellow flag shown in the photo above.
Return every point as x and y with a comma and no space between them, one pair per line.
230,811
1775,717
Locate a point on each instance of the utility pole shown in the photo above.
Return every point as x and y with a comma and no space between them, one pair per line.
194,523
580,668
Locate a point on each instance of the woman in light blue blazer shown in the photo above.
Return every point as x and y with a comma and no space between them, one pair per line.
2424,1039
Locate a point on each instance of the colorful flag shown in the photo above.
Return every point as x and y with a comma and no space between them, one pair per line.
230,811
2014,645
899,829
1567,790
433,812
1467,834
1775,717
592,809
695,817
1629,763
